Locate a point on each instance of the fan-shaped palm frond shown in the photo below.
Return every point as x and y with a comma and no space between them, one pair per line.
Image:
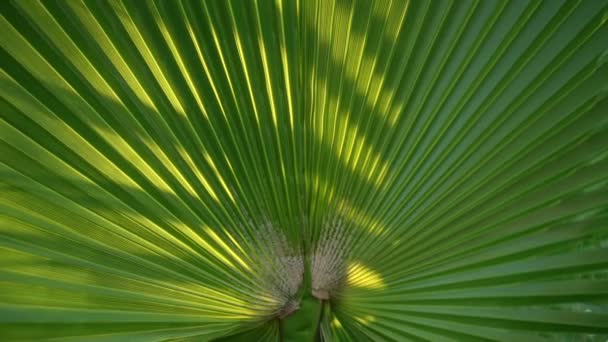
304,170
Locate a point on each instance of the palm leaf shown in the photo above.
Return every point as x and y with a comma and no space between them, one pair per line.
303,170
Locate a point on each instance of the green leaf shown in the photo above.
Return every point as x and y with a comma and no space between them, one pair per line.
303,170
